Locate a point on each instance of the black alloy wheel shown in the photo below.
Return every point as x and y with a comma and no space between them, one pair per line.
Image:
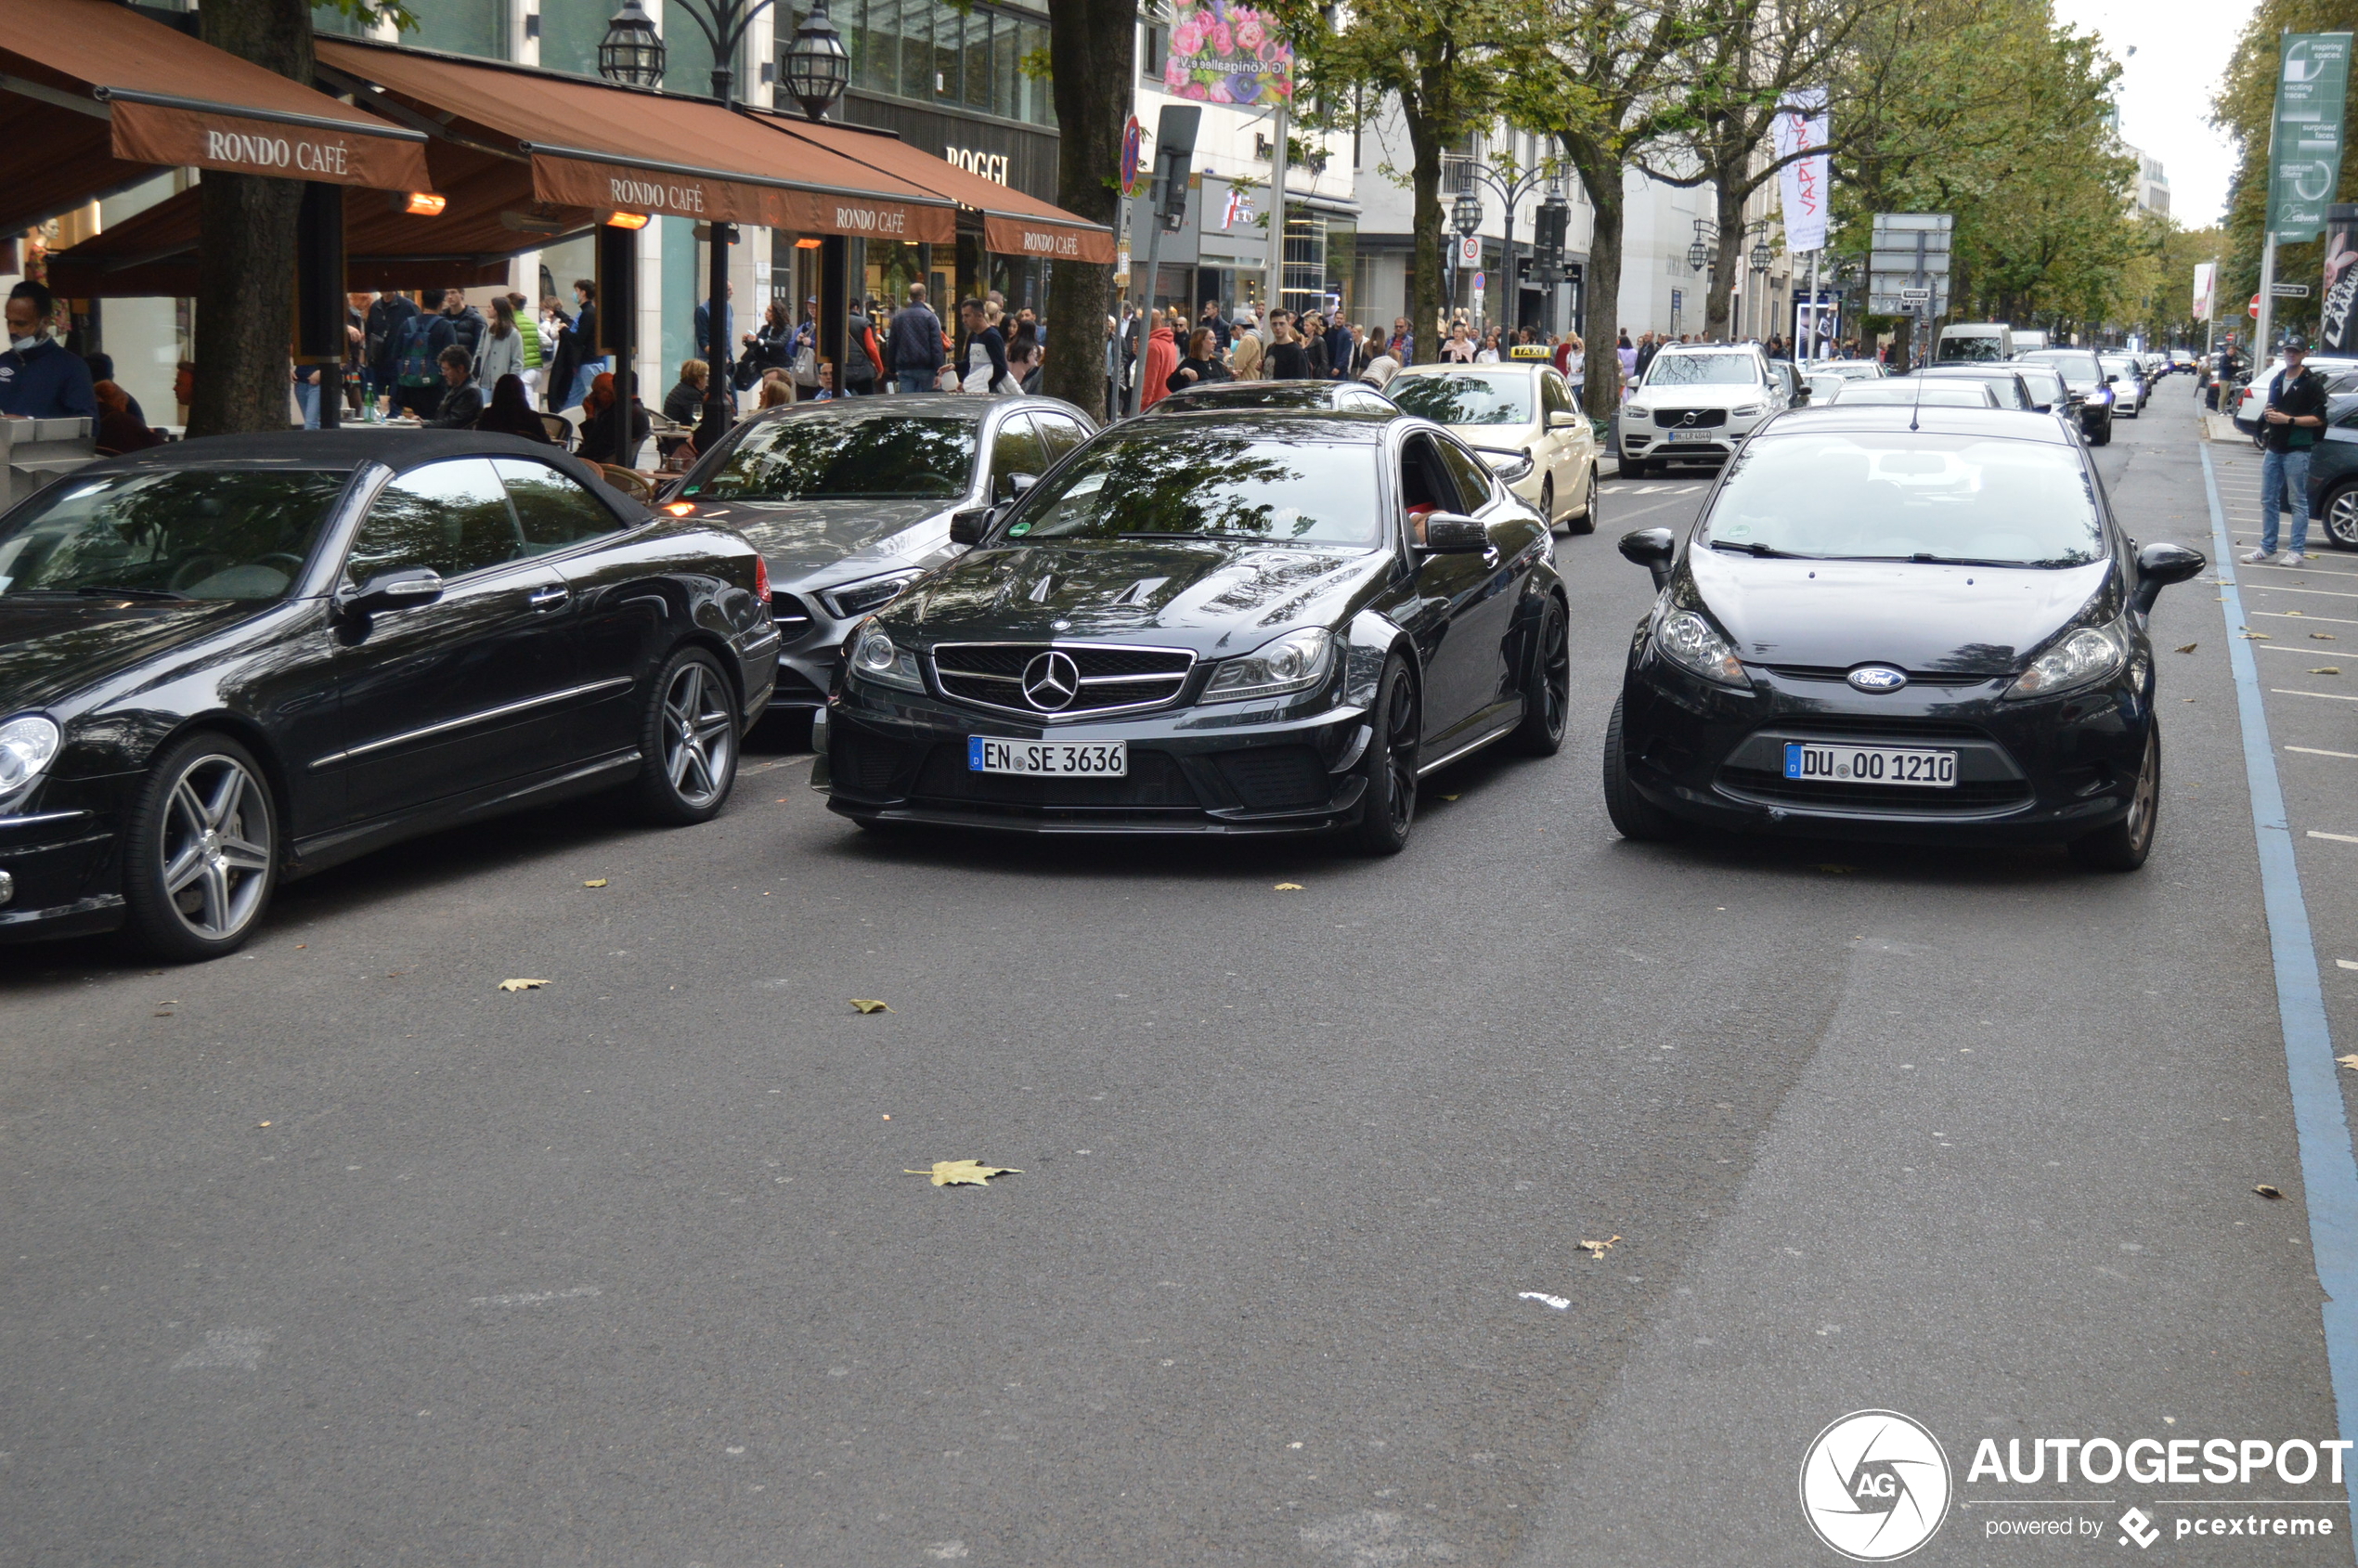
1633,816
200,855
1389,809
688,741
1586,522
2125,845
2338,517
1547,684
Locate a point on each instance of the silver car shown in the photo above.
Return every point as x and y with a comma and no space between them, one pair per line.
850,502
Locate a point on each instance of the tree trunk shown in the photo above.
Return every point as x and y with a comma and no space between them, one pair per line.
246,245
1425,308
1600,296
1729,215
1092,48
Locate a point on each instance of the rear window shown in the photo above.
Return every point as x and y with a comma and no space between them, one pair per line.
1908,496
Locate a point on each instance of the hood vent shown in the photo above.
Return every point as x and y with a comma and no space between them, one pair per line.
1140,593
1041,589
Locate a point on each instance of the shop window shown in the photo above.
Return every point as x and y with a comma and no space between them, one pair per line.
463,27
570,33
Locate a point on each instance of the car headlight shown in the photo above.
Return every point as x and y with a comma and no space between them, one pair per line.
1508,466
2100,394
1295,662
871,593
1748,410
27,746
2089,654
874,657
1637,411
1691,642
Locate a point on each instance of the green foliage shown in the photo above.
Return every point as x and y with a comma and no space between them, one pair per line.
371,12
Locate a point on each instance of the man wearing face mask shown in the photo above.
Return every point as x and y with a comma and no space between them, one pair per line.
38,378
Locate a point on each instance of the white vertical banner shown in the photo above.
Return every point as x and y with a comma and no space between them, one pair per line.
2206,275
1800,127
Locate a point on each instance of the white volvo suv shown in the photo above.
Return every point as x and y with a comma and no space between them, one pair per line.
1695,402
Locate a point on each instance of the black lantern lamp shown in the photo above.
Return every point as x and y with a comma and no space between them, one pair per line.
1695,256
1467,212
817,68
631,53
1760,257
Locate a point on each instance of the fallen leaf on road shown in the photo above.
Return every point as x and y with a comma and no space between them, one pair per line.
262,1124
2326,670
597,882
522,985
2351,1062
1287,888
1449,797
2324,637
859,1006
1596,1249
2190,647
2256,637
2264,1190
2296,612
966,1172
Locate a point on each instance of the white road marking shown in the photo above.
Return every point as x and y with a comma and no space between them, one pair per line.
527,1297
773,767
2278,587
2312,751
241,1348
2298,615
2337,837
1543,1299
2330,696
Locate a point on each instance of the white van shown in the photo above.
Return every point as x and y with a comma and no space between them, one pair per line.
1975,343
2028,341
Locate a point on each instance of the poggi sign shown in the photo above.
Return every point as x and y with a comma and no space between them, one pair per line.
276,152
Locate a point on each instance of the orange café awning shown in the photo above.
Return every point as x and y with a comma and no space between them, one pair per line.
137,95
616,148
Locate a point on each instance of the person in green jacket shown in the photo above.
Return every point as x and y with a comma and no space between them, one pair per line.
528,329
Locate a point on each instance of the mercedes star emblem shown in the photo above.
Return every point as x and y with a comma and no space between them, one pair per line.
1050,680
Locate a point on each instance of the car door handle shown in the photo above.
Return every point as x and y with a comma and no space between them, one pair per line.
549,598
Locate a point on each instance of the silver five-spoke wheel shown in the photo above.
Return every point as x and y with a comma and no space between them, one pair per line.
699,735
217,847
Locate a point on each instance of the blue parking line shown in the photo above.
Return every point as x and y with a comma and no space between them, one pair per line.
2328,1170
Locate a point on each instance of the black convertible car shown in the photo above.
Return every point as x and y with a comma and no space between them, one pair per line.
226,662
1903,624
1274,621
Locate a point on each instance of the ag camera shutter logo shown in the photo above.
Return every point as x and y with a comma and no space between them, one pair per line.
1875,1485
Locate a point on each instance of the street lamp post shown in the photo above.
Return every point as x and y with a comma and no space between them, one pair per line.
817,71
1512,186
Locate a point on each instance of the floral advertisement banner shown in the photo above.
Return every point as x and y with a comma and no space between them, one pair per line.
1222,52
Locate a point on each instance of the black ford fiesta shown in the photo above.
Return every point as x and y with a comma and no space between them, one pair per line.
226,662
1230,622
1913,625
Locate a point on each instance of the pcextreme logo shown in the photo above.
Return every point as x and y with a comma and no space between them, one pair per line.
1874,1486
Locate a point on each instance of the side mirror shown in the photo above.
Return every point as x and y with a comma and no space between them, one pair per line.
392,590
1563,419
1653,549
1800,397
2159,565
1013,485
2110,380
1453,533
965,527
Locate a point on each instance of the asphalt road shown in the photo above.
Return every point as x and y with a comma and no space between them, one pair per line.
335,1253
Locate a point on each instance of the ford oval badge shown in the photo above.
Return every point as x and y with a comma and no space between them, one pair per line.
1878,678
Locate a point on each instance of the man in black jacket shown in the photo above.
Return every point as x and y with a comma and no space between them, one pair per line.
461,399
914,346
385,318
2288,428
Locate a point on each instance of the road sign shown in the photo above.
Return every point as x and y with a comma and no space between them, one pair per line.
2253,308
1469,249
2290,291
1916,296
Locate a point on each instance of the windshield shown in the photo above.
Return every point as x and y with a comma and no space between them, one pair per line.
2046,387
1928,395
1908,496
1972,345
2078,368
878,457
1206,482
1253,395
1466,398
179,534
1703,369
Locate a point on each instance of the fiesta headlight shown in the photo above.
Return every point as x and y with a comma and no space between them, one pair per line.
27,746
2089,654
1508,466
1694,645
871,593
1295,662
875,657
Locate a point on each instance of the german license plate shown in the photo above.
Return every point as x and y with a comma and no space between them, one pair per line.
1095,759
1693,435
1870,765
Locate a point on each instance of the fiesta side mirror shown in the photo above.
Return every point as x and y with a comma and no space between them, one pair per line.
1653,549
1453,533
2159,565
392,590
967,528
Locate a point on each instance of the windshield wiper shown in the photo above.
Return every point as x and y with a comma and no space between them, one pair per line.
1766,552
1927,558
109,591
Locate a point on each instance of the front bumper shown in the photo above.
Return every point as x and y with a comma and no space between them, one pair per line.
901,757
2039,772
1650,440
63,872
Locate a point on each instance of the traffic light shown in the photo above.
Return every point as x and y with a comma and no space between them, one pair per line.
1548,237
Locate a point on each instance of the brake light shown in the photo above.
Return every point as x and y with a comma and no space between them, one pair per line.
762,579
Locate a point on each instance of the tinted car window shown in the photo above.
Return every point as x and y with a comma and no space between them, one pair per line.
1472,480
1467,397
1908,496
551,509
1014,449
452,517
1213,482
878,457
200,533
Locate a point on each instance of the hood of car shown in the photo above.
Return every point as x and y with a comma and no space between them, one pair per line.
51,649
801,538
1217,597
1833,614
1505,437
1700,396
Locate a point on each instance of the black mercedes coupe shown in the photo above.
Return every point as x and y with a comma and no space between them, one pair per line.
1222,622
229,662
1901,624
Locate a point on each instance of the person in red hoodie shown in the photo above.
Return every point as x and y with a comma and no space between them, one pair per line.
1162,358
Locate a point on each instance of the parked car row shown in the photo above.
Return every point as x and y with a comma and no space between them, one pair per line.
229,663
